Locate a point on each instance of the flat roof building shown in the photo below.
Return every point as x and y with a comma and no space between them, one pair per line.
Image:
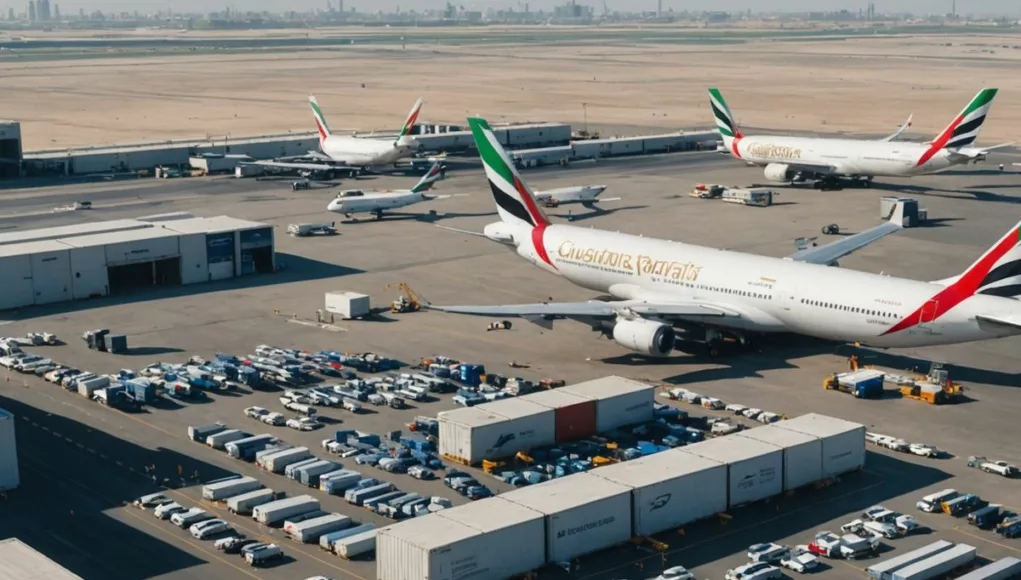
19,561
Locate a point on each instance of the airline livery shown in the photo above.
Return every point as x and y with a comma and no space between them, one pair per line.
789,159
658,285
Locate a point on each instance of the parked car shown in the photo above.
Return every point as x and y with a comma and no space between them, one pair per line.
752,413
871,513
735,408
203,530
304,424
476,492
274,419
256,412
165,511
768,552
800,560
151,501
421,472
234,544
924,450
755,571
675,573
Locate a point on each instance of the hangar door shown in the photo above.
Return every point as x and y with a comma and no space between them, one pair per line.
51,276
256,251
143,263
220,255
17,282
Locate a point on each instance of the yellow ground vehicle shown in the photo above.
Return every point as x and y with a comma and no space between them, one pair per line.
408,302
935,388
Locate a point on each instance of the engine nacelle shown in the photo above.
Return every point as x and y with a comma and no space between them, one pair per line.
645,337
779,172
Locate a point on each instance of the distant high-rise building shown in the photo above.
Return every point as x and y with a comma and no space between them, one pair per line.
56,11
659,8
31,10
10,14
42,10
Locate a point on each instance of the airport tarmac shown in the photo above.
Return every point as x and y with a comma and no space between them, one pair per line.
969,210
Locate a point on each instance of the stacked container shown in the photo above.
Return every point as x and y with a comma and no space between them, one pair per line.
754,468
670,489
619,401
495,430
574,416
802,454
843,442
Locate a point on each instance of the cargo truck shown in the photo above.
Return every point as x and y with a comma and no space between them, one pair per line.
365,542
220,439
988,517
277,462
244,504
382,500
1010,527
360,496
862,384
326,541
311,530
231,488
938,565
290,469
279,510
964,504
884,570
1003,569
245,449
339,482
295,520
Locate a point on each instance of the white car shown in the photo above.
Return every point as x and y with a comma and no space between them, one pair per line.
256,412
297,397
800,560
924,450
724,428
895,444
29,363
906,524
872,512
151,501
735,408
769,552
166,510
203,530
879,528
755,571
712,403
10,360
276,419
766,417
675,573
304,424
752,413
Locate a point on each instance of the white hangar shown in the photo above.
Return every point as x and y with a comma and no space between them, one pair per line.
116,257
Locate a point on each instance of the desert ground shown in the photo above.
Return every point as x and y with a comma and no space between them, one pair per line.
648,80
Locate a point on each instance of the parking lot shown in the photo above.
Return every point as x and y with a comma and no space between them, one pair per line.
81,462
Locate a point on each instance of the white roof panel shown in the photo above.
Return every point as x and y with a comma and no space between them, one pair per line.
71,231
819,425
212,225
429,532
730,449
471,417
565,493
777,435
513,408
29,248
110,238
607,387
21,562
657,468
556,399
491,514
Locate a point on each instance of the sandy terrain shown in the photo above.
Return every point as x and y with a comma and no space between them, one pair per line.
861,84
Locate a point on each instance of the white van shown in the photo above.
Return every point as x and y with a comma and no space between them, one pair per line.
933,502
192,516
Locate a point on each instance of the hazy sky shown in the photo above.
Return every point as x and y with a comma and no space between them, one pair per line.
919,6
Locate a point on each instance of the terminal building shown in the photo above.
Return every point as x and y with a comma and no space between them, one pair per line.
112,258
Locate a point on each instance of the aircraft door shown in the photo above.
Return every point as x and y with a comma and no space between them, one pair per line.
927,316
785,299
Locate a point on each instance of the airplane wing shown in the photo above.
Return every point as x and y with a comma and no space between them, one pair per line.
813,168
1008,321
590,309
899,131
976,153
830,253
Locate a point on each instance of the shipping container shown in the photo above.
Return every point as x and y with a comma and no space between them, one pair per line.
290,469
619,401
884,570
574,416
755,469
277,462
843,442
281,509
231,488
491,538
309,475
360,496
339,481
938,565
247,448
220,439
670,489
1002,569
802,454
584,513
201,432
244,503
10,477
271,450
495,430
326,541
348,304
311,530
356,545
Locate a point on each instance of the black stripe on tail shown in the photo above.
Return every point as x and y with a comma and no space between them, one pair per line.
511,205
721,116
1002,272
1011,291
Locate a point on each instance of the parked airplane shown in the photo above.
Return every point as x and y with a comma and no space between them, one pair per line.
375,202
658,285
339,151
831,160
587,195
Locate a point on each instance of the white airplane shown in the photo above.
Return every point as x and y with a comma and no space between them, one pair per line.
658,285
339,151
587,195
356,201
790,159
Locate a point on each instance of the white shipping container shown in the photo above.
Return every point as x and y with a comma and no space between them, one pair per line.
279,461
281,509
802,454
755,469
584,513
347,304
310,530
495,430
10,477
356,545
938,565
884,570
221,439
492,538
619,401
233,487
244,503
843,442
1002,569
670,489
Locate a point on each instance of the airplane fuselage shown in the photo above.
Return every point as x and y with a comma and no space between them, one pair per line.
849,156
765,294
571,194
375,202
365,152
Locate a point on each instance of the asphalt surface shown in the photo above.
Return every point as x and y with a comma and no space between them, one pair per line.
970,210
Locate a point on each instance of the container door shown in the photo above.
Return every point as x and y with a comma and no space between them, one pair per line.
576,422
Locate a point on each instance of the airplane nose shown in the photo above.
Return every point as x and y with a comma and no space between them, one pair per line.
335,205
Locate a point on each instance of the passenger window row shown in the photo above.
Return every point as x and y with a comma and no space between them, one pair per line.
846,308
745,293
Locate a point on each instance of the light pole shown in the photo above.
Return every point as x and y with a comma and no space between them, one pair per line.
584,112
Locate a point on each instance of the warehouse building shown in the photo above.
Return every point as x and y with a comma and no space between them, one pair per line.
10,149
19,561
112,258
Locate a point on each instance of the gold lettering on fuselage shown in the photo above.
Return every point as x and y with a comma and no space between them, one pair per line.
774,151
628,263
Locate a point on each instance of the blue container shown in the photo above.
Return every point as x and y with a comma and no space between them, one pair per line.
117,343
342,435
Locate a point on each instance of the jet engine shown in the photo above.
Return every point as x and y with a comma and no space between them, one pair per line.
645,336
779,172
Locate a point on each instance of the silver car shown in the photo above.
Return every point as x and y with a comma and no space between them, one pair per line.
755,571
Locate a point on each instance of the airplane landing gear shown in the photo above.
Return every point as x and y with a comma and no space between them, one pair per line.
379,214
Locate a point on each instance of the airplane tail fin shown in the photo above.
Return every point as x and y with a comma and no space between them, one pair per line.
725,122
411,121
515,202
998,271
964,129
434,174
321,126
